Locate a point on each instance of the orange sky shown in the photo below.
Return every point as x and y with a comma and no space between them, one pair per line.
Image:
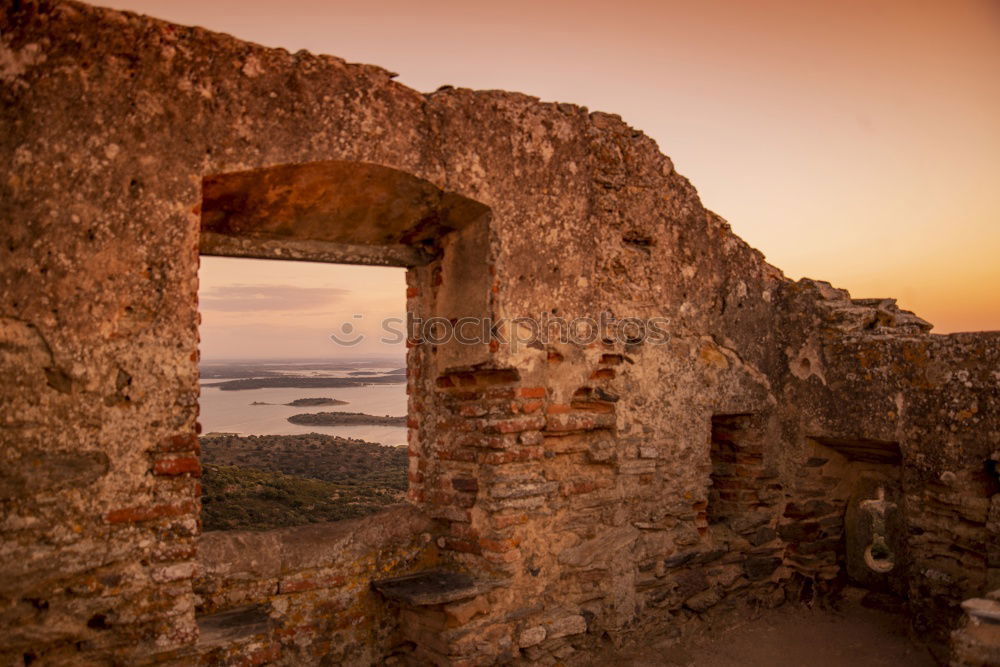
851,141
265,309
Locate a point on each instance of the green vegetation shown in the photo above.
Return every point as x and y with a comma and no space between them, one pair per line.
262,482
246,499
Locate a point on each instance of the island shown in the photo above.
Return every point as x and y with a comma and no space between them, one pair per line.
345,419
310,402
305,402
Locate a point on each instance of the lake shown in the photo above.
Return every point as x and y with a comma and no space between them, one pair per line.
232,412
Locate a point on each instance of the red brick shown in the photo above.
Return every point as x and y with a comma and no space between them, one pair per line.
459,425
514,425
531,392
529,407
499,546
464,546
139,513
177,466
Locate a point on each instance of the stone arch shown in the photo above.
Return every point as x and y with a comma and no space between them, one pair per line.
331,211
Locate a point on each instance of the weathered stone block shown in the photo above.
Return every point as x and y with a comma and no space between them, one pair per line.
564,626
758,568
531,636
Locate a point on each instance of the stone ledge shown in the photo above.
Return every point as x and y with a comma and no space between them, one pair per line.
279,552
983,609
430,588
231,626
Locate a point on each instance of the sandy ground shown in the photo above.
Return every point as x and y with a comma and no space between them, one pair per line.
790,636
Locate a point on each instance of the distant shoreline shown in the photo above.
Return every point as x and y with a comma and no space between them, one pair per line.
301,382
345,419
230,369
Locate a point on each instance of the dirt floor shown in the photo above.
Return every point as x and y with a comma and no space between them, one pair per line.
852,635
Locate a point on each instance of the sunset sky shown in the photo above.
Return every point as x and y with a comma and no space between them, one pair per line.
851,141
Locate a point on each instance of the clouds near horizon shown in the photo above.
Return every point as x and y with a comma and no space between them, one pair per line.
263,297
271,309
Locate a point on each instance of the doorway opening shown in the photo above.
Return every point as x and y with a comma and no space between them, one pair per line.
843,520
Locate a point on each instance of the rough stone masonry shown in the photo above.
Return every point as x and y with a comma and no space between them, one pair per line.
785,440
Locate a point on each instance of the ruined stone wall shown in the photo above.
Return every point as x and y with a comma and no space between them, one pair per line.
111,122
577,483
302,594
938,398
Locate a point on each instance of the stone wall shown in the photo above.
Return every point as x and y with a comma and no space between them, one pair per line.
309,587
595,492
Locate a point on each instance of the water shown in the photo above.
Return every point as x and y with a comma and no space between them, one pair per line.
232,412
